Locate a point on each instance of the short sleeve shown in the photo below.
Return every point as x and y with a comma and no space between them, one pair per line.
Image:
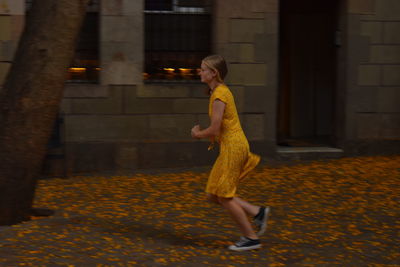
221,95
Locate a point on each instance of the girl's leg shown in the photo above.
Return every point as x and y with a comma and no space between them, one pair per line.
239,216
250,209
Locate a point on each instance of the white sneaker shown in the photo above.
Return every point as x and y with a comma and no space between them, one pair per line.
245,244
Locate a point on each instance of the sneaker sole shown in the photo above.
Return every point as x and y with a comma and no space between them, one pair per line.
264,223
234,248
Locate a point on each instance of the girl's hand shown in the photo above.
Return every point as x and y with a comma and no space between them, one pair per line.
195,131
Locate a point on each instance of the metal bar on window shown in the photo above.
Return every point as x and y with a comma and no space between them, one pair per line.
177,38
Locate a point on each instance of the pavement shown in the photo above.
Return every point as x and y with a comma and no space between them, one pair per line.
342,212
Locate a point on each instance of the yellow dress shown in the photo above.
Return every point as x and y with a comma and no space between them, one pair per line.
235,160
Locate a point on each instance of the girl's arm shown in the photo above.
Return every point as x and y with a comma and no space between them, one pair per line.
214,129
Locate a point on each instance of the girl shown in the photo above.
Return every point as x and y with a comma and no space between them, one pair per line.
235,160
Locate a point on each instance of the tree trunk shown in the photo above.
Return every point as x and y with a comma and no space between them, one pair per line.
30,99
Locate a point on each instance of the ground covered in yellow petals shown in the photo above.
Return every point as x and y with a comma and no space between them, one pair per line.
333,213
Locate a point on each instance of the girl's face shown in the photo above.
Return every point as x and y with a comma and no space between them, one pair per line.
206,74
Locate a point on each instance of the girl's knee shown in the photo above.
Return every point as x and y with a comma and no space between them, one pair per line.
224,200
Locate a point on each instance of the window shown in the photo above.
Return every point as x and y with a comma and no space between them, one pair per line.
177,37
84,67
28,4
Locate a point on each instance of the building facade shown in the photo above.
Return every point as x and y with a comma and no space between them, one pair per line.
307,77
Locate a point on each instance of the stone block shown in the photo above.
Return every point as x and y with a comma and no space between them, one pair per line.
270,126
233,9
236,74
112,7
121,29
239,95
388,100
272,65
373,30
76,90
18,24
158,155
391,33
221,49
110,105
126,157
361,48
65,106
385,54
387,9
96,128
256,74
272,23
265,47
7,50
261,52
163,90
203,120
268,6
191,105
369,75
391,75
353,25
244,30
149,106
166,128
221,33
364,7
5,28
135,105
4,67
390,126
255,99
364,99
83,158
152,155
122,51
368,126
121,73
247,74
253,126
240,53
133,8
199,90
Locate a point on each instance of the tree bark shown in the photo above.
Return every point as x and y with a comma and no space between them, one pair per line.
30,99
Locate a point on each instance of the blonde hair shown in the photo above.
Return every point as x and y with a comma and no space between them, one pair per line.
217,63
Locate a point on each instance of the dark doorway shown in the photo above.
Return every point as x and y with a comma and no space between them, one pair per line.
307,72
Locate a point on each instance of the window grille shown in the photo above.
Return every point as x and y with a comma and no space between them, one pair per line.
28,4
177,37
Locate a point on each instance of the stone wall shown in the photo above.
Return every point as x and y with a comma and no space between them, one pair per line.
12,16
373,98
135,126
246,34
124,124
